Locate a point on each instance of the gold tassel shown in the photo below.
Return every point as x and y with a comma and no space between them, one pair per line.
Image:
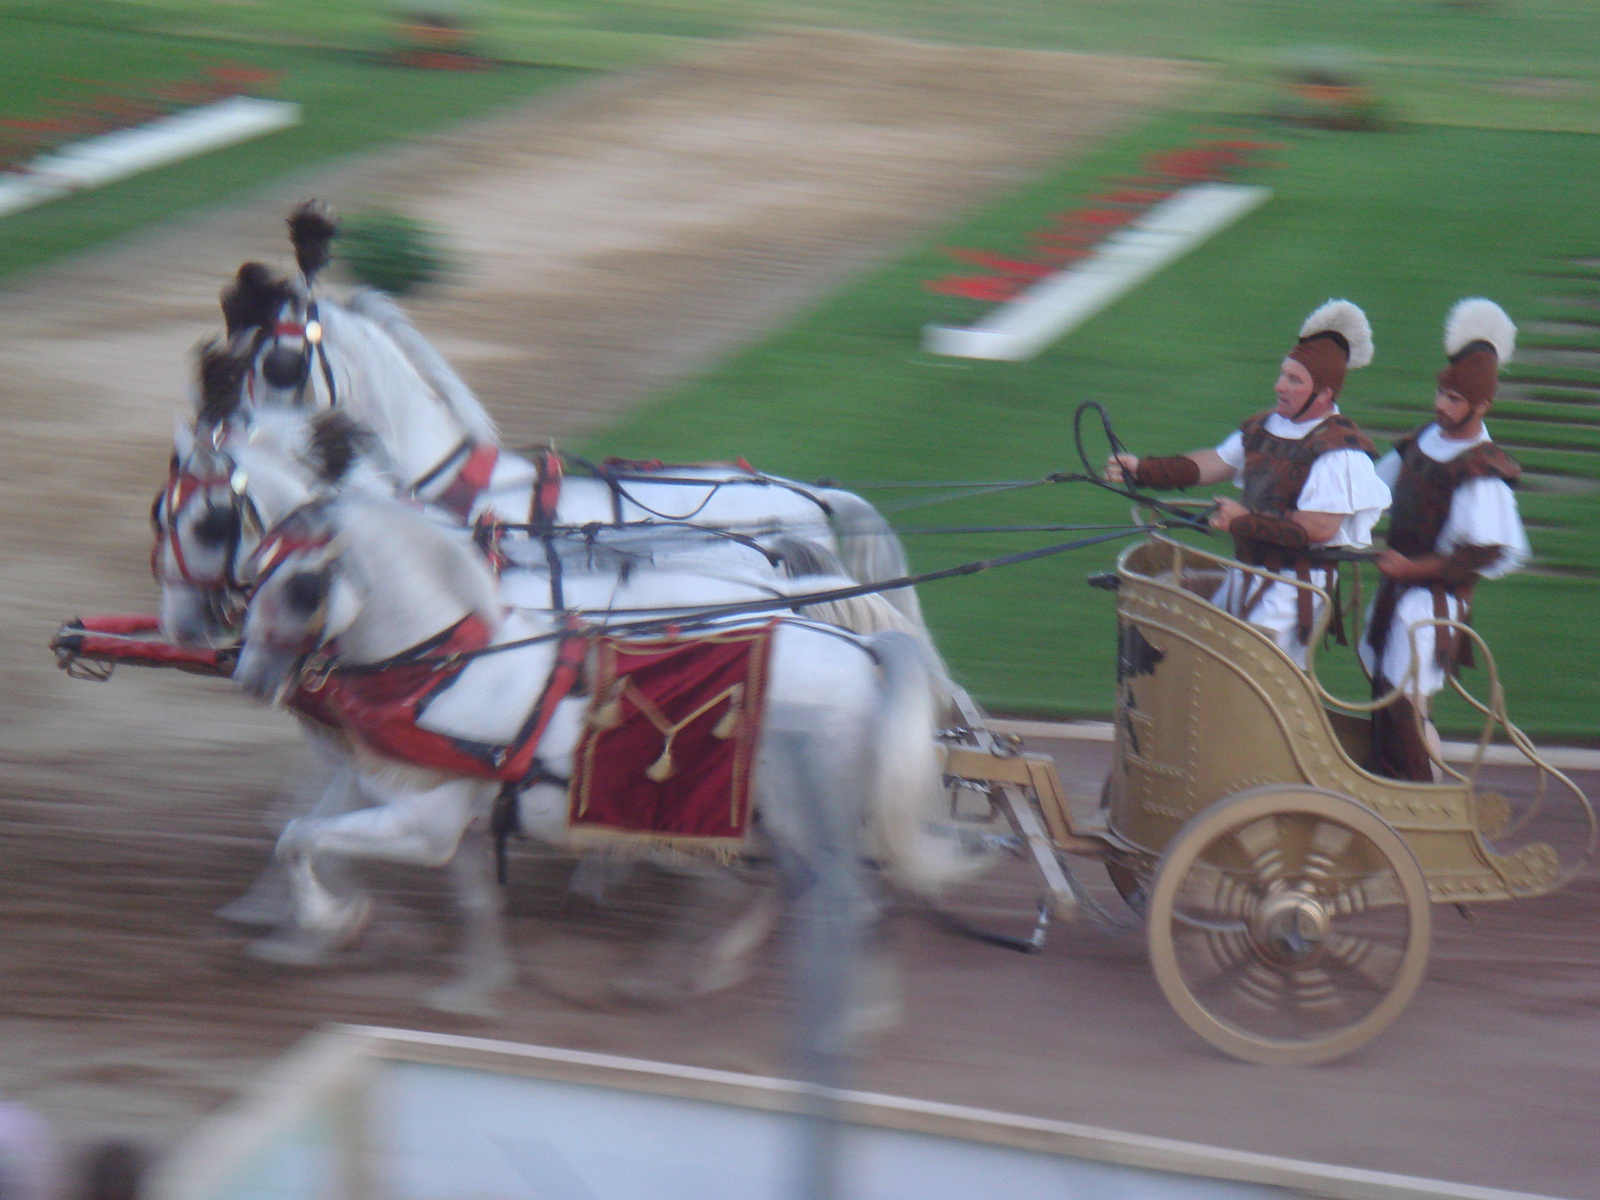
662,769
609,714
729,725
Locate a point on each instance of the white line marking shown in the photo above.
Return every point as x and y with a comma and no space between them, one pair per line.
97,161
1025,325
1562,758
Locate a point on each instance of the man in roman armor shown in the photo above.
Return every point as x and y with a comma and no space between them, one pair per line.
1307,476
1454,522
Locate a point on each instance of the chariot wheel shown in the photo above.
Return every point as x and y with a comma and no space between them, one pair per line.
1288,925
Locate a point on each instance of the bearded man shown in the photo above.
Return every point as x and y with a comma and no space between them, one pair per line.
1307,476
1454,522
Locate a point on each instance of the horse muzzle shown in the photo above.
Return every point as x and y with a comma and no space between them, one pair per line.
196,617
267,673
286,367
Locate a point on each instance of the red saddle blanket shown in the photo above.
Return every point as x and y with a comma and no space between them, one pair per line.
667,752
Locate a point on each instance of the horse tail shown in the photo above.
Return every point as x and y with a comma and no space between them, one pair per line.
382,311
814,564
800,557
871,550
908,804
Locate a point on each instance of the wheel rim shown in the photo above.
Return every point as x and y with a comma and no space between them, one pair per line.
1288,925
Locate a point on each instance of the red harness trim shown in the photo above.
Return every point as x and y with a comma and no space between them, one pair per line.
468,485
182,486
278,545
380,705
547,489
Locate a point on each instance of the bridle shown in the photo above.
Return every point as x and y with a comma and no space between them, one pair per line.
183,487
301,531
310,332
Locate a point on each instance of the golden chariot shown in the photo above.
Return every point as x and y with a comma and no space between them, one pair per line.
1285,890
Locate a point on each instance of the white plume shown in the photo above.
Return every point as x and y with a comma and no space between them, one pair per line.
1479,320
1345,319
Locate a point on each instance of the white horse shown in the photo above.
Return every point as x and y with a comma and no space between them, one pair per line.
849,726
234,482
437,441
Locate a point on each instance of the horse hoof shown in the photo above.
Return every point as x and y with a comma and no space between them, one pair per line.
873,1018
721,975
251,913
292,948
462,1000
316,946
343,921
648,991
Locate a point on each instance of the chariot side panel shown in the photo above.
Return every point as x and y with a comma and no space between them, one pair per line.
1208,706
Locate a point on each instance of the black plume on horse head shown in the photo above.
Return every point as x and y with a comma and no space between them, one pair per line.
312,227
222,371
336,443
255,298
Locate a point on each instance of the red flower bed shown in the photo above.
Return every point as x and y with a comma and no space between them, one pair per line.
1071,235
120,106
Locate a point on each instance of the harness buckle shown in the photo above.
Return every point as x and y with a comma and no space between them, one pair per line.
318,666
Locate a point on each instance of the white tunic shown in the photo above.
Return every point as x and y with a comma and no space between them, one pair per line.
1340,481
1483,512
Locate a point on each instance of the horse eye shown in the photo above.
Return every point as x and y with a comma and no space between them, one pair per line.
217,526
283,367
158,509
305,591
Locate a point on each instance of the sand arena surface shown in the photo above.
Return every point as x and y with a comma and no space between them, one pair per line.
613,238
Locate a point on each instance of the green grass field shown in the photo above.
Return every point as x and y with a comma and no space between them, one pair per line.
351,102
1525,64
1485,184
1405,223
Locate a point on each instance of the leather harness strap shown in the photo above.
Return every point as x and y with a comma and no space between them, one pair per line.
470,481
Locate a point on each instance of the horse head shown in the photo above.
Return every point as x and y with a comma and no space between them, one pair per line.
354,578
274,320
228,482
300,601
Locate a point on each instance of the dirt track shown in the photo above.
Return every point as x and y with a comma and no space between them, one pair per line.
613,239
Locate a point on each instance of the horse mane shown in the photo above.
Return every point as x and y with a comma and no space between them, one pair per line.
221,372
383,526
335,445
438,374
254,299
312,227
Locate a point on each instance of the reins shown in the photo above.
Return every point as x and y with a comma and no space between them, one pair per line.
614,479
693,616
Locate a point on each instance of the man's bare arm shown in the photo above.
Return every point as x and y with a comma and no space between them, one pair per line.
1320,527
1213,469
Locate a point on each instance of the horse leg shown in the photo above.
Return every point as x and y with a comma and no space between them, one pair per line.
597,875
812,801
484,965
684,960
327,772
725,960
421,827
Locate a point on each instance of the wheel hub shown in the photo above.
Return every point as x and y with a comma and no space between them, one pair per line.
1289,926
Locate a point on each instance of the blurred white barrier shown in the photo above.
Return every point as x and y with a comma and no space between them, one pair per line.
1026,324
378,1114
97,161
